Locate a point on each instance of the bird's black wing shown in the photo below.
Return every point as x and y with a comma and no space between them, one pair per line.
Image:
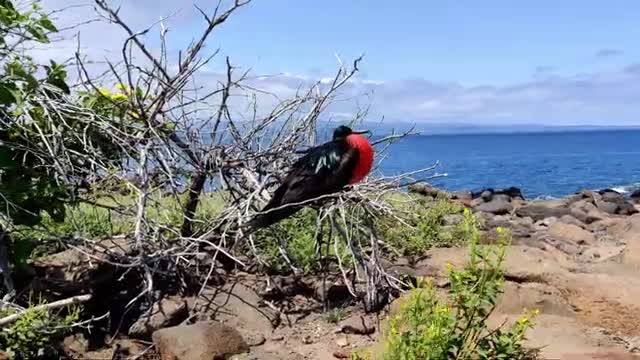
322,170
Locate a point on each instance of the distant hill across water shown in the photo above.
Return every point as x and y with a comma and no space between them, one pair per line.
469,128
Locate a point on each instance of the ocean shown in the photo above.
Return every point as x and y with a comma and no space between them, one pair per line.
543,165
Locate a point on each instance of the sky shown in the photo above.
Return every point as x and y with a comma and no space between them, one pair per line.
490,62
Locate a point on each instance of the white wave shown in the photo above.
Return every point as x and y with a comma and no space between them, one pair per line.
627,189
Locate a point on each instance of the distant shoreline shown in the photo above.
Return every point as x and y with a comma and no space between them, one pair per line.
526,131
381,129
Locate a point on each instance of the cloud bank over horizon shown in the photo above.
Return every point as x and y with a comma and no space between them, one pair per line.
543,96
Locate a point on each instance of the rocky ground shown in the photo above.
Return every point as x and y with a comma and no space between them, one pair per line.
575,259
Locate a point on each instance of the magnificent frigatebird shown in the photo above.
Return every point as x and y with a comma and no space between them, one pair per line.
324,169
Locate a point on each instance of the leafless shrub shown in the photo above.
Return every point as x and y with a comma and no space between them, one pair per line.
191,137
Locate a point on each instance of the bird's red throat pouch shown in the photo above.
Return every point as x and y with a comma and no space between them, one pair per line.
365,157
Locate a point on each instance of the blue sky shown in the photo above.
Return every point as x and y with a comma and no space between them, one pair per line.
474,42
487,62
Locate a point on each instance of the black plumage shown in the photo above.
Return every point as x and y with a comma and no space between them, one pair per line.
324,169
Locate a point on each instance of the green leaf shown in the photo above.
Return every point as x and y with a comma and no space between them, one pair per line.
7,96
46,23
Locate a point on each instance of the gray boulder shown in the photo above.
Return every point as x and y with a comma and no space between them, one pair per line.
203,340
496,206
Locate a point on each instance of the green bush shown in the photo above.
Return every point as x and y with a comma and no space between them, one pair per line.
425,228
36,334
428,328
298,233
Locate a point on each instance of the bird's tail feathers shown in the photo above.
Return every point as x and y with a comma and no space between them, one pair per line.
268,218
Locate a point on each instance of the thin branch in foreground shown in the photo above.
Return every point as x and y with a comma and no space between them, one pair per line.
7,320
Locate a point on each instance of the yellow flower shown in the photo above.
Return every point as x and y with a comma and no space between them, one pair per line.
449,266
104,91
536,312
119,97
122,87
523,320
499,230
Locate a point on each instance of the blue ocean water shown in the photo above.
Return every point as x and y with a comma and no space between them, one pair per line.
541,164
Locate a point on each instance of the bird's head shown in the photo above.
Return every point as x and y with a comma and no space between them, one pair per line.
341,132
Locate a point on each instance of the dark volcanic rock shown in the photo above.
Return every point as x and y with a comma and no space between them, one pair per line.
204,340
168,312
426,190
513,192
627,208
357,324
487,195
520,227
496,206
609,207
611,196
462,195
541,211
635,195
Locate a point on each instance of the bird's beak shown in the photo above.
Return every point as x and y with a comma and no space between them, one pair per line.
361,132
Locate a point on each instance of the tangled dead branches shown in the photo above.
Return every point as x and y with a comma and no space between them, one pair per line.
175,135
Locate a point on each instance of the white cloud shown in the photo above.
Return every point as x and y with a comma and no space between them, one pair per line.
595,98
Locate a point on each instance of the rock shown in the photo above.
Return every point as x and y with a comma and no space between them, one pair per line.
463,195
204,340
584,205
513,192
608,207
601,254
568,219
499,220
510,193
588,195
236,305
168,312
635,195
341,354
426,190
626,208
358,325
76,271
541,211
588,213
255,340
333,293
476,202
496,206
277,338
342,341
611,196
571,233
74,345
594,215
520,227
600,355
546,222
453,219
563,245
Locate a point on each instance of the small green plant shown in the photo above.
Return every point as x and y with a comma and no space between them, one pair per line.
425,228
36,334
299,234
335,315
428,328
